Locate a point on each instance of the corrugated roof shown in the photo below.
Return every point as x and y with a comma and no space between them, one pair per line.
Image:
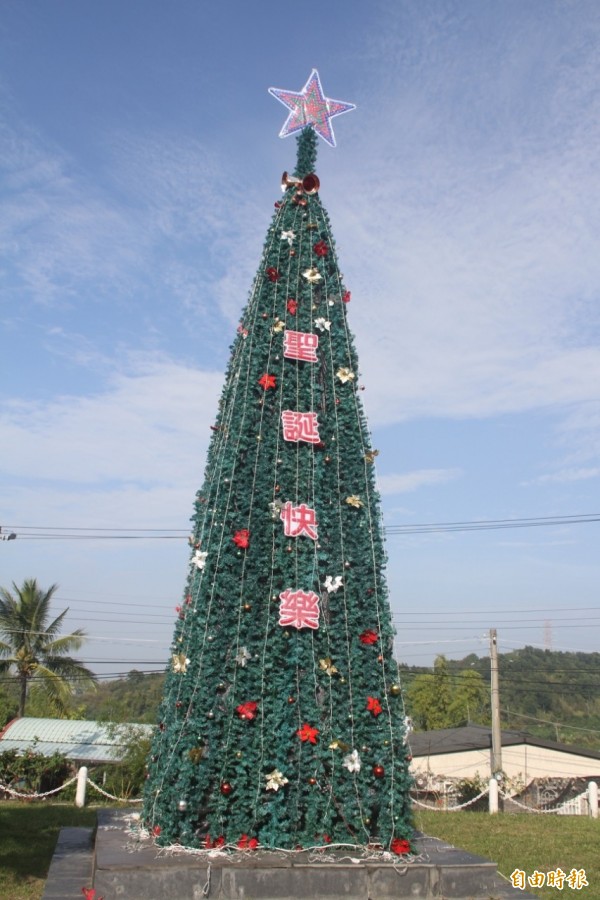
83,741
479,737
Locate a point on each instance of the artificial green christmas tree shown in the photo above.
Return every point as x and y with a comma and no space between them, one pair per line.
282,719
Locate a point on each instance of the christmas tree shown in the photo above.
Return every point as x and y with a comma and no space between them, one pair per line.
282,719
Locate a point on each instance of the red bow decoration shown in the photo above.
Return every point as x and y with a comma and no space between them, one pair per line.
273,274
368,637
247,843
399,846
267,381
308,733
247,710
374,706
242,538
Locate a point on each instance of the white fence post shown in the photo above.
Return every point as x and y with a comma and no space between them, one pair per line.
81,783
593,799
493,798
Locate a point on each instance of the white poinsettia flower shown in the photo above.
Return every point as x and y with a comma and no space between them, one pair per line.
242,657
313,275
200,557
323,324
333,583
287,236
352,762
275,780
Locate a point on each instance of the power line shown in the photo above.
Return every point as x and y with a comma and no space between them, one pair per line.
55,532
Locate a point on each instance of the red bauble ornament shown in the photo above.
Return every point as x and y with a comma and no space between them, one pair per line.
312,780
378,771
226,788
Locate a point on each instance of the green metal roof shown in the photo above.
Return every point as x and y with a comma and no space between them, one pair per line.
81,741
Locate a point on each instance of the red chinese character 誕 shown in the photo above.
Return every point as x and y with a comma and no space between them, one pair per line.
300,345
300,609
298,520
300,426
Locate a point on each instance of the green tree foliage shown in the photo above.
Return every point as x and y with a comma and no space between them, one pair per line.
134,698
34,649
284,731
446,699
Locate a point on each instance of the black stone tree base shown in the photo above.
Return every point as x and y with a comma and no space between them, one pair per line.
121,867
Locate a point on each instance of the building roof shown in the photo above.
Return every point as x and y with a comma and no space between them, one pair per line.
479,737
81,741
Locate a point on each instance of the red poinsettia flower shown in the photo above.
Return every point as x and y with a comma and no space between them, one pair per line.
321,248
267,381
247,843
90,894
242,538
368,637
399,846
247,710
273,274
213,845
308,733
346,297
374,706
292,306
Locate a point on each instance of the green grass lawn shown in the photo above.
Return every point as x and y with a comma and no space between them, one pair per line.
28,835
527,842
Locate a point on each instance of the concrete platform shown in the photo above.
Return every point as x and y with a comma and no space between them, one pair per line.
126,868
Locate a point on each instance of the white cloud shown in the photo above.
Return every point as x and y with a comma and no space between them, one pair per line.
567,475
149,428
410,481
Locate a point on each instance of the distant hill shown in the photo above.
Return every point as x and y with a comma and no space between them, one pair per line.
561,689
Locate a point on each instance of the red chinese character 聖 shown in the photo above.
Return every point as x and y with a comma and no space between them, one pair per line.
298,520
300,426
300,345
300,609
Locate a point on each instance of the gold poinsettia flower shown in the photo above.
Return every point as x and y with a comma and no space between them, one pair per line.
180,662
354,500
370,455
345,374
327,666
339,745
278,326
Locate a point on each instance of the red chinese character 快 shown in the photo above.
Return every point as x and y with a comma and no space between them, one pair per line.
298,520
300,426
300,345
300,609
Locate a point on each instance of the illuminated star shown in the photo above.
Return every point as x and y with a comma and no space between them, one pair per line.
311,107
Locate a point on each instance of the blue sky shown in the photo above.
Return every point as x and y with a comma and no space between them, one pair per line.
139,164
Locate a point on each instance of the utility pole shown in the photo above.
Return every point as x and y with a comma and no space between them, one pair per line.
496,757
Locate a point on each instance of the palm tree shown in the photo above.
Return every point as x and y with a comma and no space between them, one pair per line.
35,649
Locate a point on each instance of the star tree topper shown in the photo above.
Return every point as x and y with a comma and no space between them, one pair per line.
311,107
